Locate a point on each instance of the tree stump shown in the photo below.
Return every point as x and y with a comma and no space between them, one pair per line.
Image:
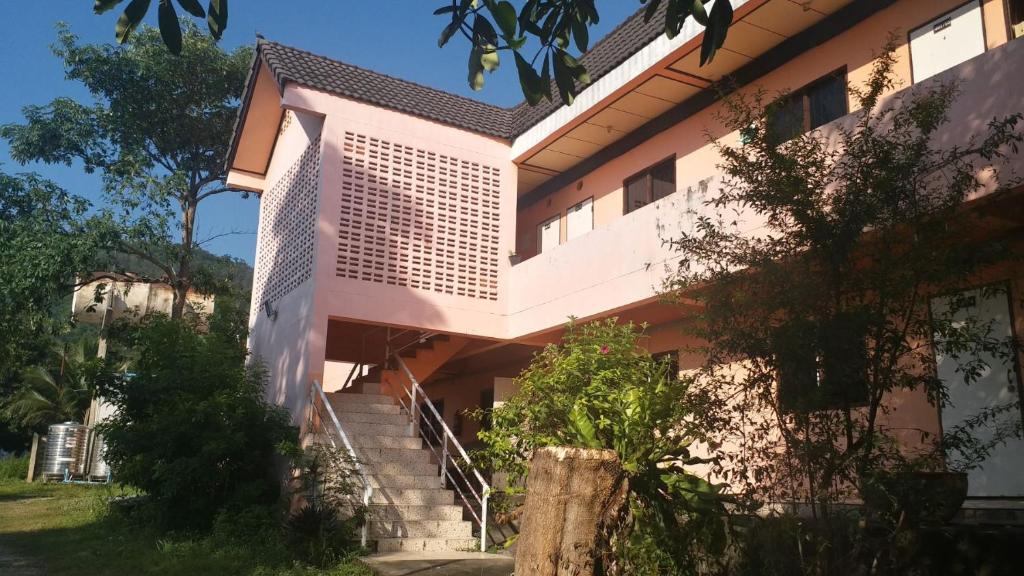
570,495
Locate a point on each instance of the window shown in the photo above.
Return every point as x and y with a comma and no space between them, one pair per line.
954,37
814,105
549,233
672,358
486,406
821,373
650,185
1015,10
579,219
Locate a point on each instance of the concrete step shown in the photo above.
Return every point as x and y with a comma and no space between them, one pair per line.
375,429
341,407
405,480
407,513
397,455
404,468
369,388
446,529
427,544
352,398
379,441
373,418
412,496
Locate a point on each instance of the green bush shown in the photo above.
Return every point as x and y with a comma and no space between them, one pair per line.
13,467
600,389
193,429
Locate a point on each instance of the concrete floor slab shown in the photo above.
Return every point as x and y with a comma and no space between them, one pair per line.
440,563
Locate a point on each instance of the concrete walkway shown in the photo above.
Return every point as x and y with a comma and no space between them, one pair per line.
440,563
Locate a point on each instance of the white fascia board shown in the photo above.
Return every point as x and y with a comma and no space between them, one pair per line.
605,86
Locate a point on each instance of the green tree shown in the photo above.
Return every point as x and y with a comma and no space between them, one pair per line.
599,388
60,391
192,427
47,241
158,131
491,27
812,324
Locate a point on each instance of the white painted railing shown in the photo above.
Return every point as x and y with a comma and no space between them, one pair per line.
335,433
446,448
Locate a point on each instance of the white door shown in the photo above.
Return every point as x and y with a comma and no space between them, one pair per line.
579,219
948,40
549,234
1002,473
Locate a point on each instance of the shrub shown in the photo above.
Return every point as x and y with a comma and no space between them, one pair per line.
599,388
193,429
13,467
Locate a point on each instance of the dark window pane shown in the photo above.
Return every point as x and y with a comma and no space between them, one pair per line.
844,362
827,100
487,405
786,119
636,193
663,179
797,364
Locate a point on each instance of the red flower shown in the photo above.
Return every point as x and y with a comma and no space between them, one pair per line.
604,349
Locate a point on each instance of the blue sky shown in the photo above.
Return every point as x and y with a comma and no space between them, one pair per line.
397,37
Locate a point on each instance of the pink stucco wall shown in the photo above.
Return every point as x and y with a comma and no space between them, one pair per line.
623,260
287,344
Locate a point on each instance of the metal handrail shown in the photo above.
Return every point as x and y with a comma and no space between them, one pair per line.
445,436
363,476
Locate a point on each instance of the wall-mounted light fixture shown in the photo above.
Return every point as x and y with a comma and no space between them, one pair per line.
271,313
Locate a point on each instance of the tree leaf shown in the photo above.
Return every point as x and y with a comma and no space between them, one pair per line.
699,13
581,424
170,28
580,34
652,9
529,81
565,77
447,33
476,68
505,16
101,6
192,7
217,17
718,27
130,19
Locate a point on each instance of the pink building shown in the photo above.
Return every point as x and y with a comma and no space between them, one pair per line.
434,242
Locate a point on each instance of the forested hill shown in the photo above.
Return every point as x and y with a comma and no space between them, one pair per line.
211,269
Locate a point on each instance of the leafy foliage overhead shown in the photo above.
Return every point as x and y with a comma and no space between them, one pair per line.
491,27
494,26
216,16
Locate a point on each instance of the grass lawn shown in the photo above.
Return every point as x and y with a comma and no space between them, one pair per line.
66,530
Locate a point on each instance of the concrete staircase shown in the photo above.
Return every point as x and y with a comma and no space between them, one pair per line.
410,511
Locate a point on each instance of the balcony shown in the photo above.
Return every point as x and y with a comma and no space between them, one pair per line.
623,263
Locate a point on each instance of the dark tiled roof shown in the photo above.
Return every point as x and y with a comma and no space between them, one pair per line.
292,65
305,68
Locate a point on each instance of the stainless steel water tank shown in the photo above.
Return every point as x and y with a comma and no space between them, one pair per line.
98,469
65,449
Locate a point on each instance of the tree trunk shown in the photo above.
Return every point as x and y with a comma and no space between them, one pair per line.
571,495
184,276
